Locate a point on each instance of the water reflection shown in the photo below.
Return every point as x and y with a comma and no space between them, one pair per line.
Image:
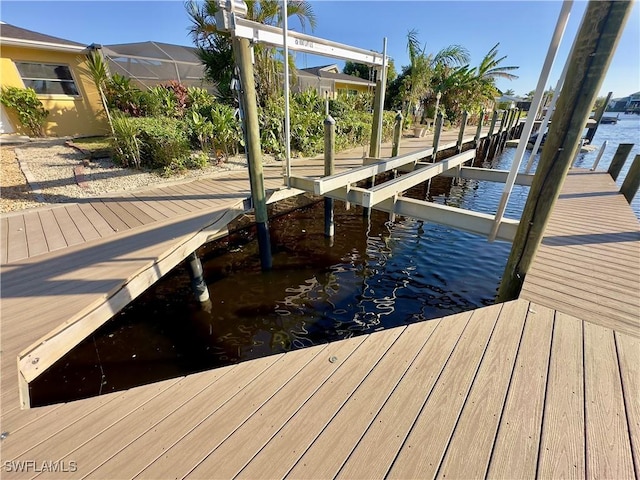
375,274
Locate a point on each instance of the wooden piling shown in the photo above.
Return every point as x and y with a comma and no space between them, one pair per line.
496,140
397,134
463,124
196,273
436,136
599,34
619,159
242,53
632,180
516,125
598,117
488,140
329,169
376,134
476,139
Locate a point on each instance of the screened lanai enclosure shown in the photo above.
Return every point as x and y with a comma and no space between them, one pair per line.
153,63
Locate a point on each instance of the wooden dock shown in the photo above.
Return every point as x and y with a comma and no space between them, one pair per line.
544,386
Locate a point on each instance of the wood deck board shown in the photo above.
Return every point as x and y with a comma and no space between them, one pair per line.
152,214
613,282
607,437
470,447
281,453
4,240
329,451
123,212
217,427
134,457
426,444
70,231
36,240
99,223
588,264
84,225
590,313
606,301
562,446
515,452
575,263
130,205
184,200
628,353
228,459
152,209
114,221
377,449
101,447
17,239
298,413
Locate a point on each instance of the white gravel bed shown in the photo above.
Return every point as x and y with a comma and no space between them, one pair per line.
49,168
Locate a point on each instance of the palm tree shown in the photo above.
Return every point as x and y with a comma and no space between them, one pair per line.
417,84
97,69
214,46
490,69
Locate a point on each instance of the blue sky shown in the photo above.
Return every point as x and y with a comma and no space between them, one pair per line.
523,29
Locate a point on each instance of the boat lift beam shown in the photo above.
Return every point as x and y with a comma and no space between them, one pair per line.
386,196
487,175
354,175
459,218
385,190
301,42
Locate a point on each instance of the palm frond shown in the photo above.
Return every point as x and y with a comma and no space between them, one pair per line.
452,55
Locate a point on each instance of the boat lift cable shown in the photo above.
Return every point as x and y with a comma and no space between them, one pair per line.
558,33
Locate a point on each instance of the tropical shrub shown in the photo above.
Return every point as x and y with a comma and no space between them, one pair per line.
200,131
190,162
227,133
122,95
125,144
162,140
199,98
25,102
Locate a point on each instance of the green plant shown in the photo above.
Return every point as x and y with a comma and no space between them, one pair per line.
126,146
124,96
198,98
25,102
191,162
162,140
201,129
165,101
98,72
97,147
227,134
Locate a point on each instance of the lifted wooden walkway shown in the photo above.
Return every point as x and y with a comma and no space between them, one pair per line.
524,389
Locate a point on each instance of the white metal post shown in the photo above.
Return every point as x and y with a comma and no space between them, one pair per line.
287,121
558,33
602,149
552,105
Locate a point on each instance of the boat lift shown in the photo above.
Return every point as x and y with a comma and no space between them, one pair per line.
230,17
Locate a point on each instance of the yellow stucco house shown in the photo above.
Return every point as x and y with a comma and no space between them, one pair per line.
328,80
56,69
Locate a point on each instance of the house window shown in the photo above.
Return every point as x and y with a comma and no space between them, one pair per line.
48,79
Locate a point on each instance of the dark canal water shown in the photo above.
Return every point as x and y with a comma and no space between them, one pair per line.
374,275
